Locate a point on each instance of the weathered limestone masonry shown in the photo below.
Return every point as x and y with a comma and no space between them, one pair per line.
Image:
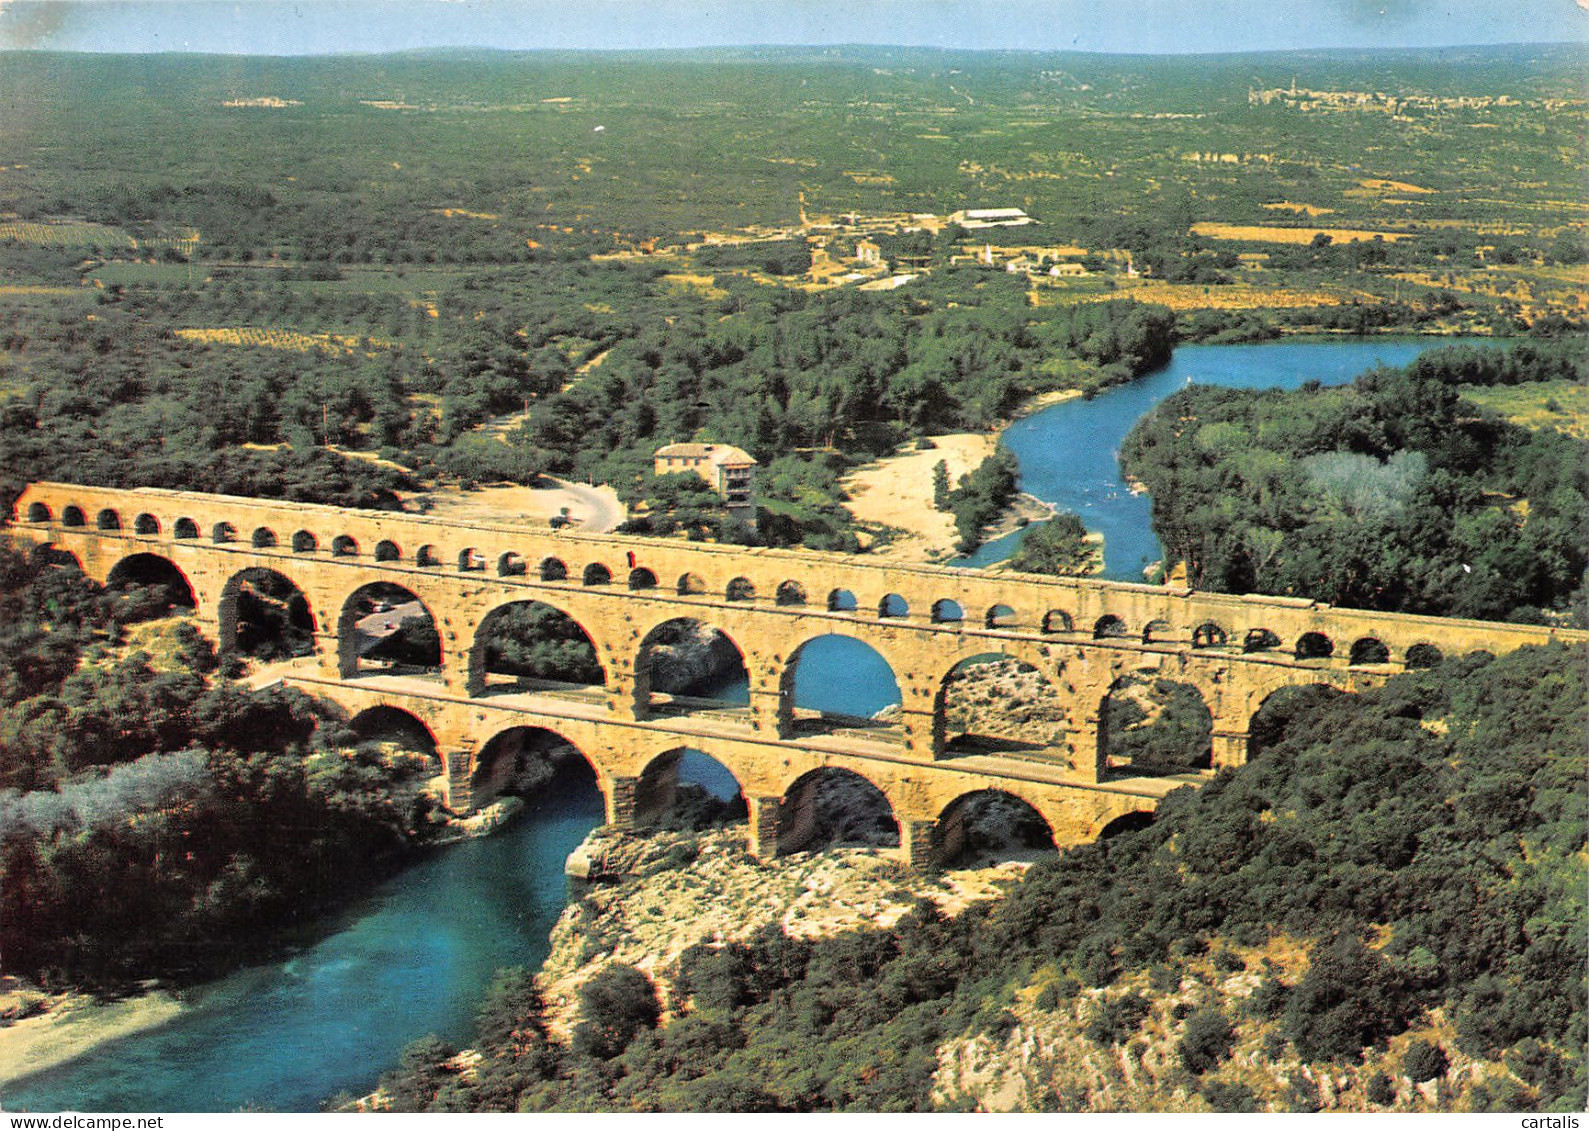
1082,636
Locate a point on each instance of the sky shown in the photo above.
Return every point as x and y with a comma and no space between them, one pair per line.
312,27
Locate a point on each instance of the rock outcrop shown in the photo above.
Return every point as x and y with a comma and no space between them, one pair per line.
669,891
692,657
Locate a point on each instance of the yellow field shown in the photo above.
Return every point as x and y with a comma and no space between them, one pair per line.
1263,233
81,233
70,233
1394,186
1299,209
25,289
704,285
290,340
1235,296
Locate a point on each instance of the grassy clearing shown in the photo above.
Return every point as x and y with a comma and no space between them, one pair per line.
120,274
1394,186
1265,233
1561,405
85,234
1300,209
703,285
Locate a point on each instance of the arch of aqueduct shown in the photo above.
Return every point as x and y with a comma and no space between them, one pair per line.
1082,635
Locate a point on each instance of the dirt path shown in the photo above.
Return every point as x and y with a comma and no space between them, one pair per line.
589,508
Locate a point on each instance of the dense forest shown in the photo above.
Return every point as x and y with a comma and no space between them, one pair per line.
1390,493
806,383
1423,840
158,821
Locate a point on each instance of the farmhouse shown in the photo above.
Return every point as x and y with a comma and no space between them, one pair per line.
730,471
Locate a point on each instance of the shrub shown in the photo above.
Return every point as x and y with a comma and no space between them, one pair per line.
1115,1020
1228,961
1222,1096
1268,999
1541,1066
1380,1090
615,1006
1303,1095
419,1075
1424,1061
1207,1040
1348,999
1166,979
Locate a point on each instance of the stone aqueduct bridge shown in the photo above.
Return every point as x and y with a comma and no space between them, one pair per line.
1082,635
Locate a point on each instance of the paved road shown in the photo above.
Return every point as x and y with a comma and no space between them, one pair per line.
378,626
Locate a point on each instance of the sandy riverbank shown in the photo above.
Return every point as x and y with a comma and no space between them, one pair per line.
896,491
1045,400
70,1025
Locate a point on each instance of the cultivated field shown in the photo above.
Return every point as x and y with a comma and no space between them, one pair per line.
290,340
1265,233
1233,296
66,233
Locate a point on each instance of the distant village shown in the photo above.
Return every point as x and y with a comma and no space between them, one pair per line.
1398,106
845,251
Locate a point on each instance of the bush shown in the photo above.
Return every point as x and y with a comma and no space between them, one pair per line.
1115,1020
1060,989
419,1075
1222,1096
1207,1040
1268,1000
1348,1000
1380,1090
1228,961
1424,1061
1165,979
615,1006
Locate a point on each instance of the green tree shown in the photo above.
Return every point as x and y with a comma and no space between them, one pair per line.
616,1004
1058,546
940,485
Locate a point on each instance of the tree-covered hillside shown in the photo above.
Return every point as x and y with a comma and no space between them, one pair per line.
1424,842
155,820
1390,493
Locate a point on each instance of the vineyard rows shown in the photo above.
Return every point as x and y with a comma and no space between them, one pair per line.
74,233
84,233
290,340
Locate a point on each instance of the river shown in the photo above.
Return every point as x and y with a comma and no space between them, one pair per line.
1070,453
415,956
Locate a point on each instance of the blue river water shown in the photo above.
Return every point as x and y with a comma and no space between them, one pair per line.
1069,453
416,956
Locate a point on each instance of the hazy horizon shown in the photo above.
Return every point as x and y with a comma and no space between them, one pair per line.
1152,27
